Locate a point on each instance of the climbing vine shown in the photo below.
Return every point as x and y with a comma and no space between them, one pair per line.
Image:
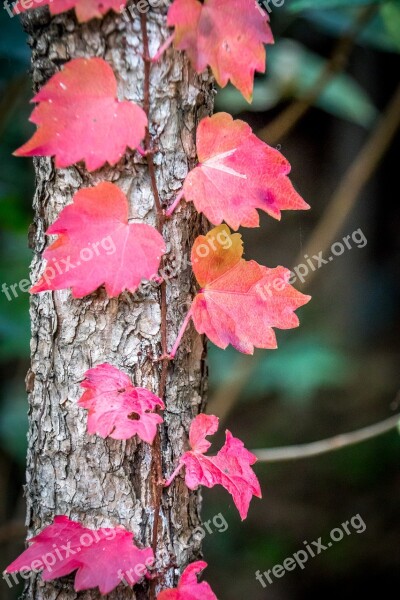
239,302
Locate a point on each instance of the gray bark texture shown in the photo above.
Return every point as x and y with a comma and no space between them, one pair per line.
105,483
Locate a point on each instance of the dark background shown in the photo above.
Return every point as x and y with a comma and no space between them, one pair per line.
337,373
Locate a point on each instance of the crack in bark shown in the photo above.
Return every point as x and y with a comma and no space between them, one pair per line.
157,470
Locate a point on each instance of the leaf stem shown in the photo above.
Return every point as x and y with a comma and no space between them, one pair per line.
163,48
171,209
182,330
174,474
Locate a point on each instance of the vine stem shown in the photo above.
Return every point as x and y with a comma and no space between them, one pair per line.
163,48
171,209
180,335
174,474
157,468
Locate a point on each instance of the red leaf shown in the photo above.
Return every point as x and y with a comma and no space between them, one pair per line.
97,245
238,174
103,557
116,408
231,467
79,117
240,301
227,35
188,586
85,9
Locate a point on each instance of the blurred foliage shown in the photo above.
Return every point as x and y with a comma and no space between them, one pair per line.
16,186
14,420
382,32
14,315
298,5
297,371
390,14
292,70
16,190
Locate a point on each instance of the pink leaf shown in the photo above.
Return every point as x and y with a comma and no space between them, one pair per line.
97,245
240,301
116,408
85,9
202,426
238,174
79,117
227,35
188,586
103,557
231,467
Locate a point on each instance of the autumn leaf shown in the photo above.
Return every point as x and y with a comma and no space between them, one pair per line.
116,408
79,117
188,586
97,245
238,174
231,467
103,558
239,301
227,35
85,9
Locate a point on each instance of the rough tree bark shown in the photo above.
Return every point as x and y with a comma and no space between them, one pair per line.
105,482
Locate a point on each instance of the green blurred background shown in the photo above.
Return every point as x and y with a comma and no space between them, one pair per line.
337,373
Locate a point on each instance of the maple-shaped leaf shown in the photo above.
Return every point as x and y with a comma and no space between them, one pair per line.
116,408
188,587
231,467
238,174
103,558
239,301
97,245
79,117
85,9
227,35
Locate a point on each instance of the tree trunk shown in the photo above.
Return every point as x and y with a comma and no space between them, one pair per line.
105,483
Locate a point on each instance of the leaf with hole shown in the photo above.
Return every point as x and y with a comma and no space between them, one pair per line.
116,408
